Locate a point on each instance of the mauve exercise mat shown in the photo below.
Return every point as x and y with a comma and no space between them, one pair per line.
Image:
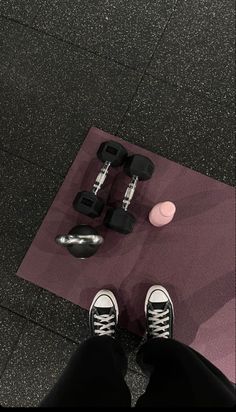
193,256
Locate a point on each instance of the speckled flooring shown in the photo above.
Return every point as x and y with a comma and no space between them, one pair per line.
157,73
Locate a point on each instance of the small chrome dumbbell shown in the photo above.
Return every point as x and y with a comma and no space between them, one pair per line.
112,154
119,219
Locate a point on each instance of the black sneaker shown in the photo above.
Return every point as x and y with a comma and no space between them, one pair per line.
103,314
159,313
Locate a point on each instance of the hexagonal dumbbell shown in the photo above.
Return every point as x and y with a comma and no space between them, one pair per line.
119,219
112,154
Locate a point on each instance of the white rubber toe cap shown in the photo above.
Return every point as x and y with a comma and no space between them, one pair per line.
103,301
158,296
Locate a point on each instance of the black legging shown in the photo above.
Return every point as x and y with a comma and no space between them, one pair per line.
179,376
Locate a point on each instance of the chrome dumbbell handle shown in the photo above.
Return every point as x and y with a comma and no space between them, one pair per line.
101,177
66,240
129,192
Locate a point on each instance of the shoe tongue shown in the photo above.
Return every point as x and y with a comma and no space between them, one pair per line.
159,305
103,311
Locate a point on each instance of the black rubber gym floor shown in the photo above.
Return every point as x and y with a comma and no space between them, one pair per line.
158,74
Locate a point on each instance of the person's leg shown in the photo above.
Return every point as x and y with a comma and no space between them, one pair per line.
93,377
179,376
95,373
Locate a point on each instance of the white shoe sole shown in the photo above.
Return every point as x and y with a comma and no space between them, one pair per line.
151,290
111,296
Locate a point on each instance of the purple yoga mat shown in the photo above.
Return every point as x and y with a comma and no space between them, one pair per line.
193,256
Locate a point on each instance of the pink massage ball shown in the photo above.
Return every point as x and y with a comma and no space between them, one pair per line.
162,213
